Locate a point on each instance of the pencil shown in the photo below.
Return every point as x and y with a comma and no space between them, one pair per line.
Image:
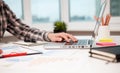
102,19
108,19
18,54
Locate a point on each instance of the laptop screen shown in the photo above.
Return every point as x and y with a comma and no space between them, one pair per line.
98,22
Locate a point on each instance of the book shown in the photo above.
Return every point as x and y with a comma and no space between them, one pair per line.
102,57
110,53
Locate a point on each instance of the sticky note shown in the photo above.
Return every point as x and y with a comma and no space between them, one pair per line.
105,40
106,43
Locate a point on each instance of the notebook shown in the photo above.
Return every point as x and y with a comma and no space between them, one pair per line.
82,43
110,53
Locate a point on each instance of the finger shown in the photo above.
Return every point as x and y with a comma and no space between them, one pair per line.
71,37
68,37
57,39
65,37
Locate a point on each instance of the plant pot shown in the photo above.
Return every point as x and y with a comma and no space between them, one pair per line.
58,31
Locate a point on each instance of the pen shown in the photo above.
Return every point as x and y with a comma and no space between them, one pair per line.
97,19
18,54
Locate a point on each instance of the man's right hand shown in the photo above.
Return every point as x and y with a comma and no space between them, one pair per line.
58,37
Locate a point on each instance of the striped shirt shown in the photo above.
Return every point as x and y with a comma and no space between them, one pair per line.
9,22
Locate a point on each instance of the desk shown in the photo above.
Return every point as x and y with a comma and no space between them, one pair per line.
59,61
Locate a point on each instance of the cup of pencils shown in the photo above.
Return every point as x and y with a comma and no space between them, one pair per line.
104,30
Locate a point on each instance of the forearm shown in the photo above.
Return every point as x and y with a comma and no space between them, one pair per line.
27,33
33,34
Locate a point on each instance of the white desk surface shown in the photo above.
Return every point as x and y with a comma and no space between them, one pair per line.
58,61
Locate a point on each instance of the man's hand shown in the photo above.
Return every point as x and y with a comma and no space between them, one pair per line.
58,37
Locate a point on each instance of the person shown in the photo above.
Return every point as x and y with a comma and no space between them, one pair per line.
9,22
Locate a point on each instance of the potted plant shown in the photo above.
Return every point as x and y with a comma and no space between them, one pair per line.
60,26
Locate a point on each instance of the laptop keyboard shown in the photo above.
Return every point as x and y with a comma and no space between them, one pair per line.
81,43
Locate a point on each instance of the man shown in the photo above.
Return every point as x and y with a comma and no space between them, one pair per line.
9,22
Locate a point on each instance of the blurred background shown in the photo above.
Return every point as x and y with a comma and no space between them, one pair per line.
78,14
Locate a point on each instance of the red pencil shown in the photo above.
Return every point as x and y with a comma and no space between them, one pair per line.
18,54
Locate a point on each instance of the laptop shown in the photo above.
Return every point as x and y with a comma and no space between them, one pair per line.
81,43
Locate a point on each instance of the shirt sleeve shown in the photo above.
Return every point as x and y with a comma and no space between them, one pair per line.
21,30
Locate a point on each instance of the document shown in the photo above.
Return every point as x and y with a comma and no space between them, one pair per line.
30,43
12,50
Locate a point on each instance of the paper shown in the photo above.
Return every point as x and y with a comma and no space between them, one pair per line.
15,49
30,43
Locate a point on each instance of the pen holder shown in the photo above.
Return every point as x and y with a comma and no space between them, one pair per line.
103,32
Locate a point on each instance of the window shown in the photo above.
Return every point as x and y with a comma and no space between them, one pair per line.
45,11
115,12
115,7
16,6
76,13
82,10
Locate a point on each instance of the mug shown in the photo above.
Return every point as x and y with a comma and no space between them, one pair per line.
103,32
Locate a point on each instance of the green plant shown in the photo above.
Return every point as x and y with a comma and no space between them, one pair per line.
60,26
